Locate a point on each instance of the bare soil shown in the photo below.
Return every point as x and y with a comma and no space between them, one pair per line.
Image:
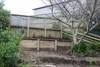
61,58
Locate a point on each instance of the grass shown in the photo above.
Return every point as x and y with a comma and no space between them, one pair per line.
28,64
91,60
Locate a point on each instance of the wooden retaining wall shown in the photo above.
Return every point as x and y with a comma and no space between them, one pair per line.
46,44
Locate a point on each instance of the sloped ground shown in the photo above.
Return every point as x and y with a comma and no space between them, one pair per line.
49,58
61,58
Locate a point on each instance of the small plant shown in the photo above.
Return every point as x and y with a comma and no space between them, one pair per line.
95,47
74,49
91,60
79,48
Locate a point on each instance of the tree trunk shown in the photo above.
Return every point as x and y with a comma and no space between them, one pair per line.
74,39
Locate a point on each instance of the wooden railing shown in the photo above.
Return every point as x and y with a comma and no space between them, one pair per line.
88,38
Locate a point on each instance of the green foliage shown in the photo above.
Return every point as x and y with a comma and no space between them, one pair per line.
9,42
91,60
65,35
4,36
95,47
74,49
79,48
4,18
9,49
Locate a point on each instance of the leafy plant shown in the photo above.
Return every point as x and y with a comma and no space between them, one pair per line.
95,47
4,18
9,42
79,48
4,35
9,49
91,60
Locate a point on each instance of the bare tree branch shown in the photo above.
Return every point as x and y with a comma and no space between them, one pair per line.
80,11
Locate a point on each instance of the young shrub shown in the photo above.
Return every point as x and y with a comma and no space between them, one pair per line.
82,48
74,49
79,48
95,47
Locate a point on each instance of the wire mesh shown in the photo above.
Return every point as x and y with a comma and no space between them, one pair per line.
34,22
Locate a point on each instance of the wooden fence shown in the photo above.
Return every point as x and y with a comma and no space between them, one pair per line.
29,24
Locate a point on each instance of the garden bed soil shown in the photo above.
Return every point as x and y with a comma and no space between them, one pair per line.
61,57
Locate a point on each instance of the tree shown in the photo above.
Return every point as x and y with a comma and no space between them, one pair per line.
4,18
79,13
9,42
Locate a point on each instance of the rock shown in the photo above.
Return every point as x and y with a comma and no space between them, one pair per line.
50,66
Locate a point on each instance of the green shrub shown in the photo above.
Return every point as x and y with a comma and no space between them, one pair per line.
79,48
9,49
4,36
9,54
91,60
83,48
4,18
95,47
9,42
74,49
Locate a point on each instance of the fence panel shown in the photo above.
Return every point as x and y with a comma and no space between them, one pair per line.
30,23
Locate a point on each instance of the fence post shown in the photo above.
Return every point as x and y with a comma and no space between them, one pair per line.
28,21
55,45
45,29
38,44
61,29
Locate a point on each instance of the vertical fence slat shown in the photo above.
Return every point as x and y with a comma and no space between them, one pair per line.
38,44
45,29
61,29
55,45
28,21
